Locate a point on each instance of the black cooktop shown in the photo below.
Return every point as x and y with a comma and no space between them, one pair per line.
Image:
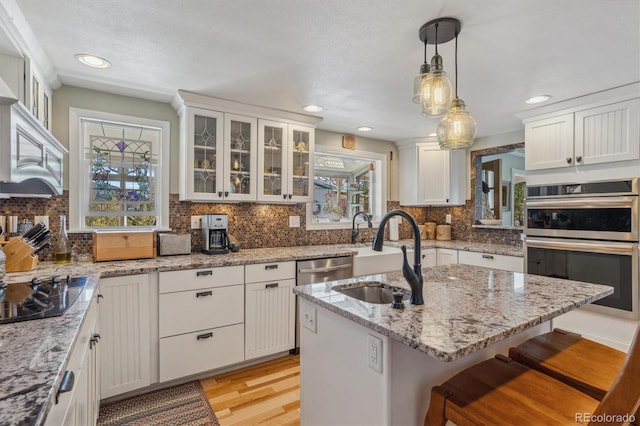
39,298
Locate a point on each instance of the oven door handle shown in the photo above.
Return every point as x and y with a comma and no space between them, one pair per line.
586,203
595,246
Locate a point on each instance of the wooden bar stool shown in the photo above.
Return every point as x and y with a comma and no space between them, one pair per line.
581,363
502,391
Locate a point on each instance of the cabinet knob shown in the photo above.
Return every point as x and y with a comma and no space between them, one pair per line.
284,196
578,159
290,195
220,194
226,193
569,160
98,297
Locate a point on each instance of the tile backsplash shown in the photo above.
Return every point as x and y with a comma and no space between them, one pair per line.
260,225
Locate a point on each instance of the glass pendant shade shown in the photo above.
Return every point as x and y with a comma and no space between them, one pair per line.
436,91
457,129
417,82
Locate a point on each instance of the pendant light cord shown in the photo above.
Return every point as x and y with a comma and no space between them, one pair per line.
456,66
437,38
425,50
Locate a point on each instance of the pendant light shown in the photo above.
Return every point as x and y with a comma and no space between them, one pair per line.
457,128
436,90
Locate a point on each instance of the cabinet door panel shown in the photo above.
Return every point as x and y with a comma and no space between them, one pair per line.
270,318
433,176
496,261
300,163
446,256
549,143
272,157
608,133
200,309
241,158
204,162
125,330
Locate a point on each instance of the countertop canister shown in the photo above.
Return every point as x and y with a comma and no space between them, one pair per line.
443,233
430,231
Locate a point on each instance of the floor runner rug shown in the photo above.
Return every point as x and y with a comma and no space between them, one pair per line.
185,404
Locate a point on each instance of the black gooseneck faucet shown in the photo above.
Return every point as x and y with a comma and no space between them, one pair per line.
413,277
355,231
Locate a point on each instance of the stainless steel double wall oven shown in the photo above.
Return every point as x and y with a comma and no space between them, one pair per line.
587,232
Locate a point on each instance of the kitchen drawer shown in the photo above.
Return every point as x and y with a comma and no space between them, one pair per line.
205,350
273,271
192,279
193,310
496,261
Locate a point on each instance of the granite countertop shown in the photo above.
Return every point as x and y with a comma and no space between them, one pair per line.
35,353
501,249
466,307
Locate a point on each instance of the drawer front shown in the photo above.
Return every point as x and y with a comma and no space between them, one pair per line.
194,310
192,279
274,271
496,261
202,351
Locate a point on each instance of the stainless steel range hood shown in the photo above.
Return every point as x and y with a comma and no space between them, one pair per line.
31,159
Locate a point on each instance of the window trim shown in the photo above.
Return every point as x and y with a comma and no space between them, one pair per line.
369,155
77,182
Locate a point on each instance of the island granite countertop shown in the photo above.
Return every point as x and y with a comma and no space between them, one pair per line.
466,307
35,353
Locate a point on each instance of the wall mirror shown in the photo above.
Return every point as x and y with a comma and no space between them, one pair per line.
498,180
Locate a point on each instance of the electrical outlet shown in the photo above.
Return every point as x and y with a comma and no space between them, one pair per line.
41,219
374,353
294,221
308,317
196,222
447,219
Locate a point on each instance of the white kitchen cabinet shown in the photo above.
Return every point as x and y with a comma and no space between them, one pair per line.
489,260
429,257
430,176
236,152
201,320
285,159
80,405
446,256
270,308
125,328
218,156
596,133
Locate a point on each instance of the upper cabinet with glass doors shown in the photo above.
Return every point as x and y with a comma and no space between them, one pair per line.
285,152
236,152
219,157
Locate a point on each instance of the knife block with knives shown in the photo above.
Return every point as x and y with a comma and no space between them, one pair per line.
21,252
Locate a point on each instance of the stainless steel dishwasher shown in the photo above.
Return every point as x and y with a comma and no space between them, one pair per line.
318,271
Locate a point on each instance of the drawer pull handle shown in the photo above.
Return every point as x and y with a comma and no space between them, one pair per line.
487,256
203,273
274,285
67,383
204,293
271,267
205,336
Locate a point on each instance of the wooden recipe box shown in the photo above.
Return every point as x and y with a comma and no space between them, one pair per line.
123,245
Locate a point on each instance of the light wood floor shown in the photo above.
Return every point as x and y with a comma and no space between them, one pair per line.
263,394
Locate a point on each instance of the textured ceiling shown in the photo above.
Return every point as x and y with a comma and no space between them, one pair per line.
357,58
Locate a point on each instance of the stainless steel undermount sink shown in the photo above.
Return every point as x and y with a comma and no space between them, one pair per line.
373,292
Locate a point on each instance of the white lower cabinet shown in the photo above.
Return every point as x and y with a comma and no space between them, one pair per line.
79,406
495,261
201,320
192,353
270,309
429,257
446,256
125,328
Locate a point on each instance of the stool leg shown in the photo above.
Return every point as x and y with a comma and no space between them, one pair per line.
435,414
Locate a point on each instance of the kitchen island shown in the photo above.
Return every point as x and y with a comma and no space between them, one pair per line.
364,363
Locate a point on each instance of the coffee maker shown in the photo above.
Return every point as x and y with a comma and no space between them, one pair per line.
215,238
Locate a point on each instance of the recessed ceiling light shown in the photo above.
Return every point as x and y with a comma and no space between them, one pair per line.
313,108
364,129
537,99
93,61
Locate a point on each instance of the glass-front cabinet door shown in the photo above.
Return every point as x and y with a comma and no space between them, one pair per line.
272,158
203,171
240,142
301,163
